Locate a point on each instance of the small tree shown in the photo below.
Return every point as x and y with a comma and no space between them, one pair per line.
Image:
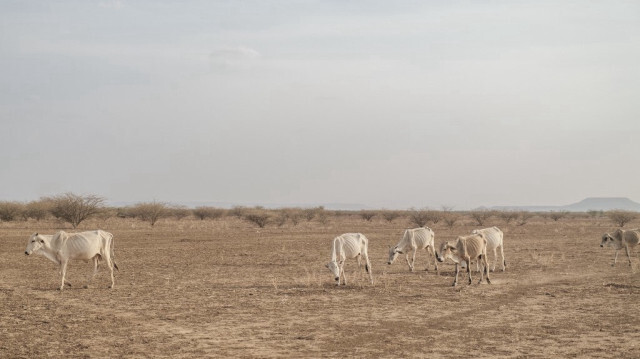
208,212
258,216
621,217
389,216
37,210
508,216
150,211
558,215
523,217
367,215
75,208
480,216
420,217
10,210
179,212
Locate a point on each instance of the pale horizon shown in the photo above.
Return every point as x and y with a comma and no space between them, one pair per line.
384,105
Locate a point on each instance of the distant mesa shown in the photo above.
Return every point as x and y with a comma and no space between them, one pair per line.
587,204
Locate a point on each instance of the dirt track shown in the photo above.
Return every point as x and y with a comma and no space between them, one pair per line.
220,288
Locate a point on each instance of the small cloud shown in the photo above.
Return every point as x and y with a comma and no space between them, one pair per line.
112,4
233,56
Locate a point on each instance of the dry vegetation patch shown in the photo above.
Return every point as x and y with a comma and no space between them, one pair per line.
227,287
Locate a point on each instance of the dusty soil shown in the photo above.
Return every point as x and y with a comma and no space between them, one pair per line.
224,288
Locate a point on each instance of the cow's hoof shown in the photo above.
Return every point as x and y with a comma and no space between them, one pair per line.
85,286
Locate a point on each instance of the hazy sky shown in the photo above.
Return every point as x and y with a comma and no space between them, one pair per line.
392,104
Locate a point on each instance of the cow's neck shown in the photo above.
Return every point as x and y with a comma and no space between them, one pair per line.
46,251
334,248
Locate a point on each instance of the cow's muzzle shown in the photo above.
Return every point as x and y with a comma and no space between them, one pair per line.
602,245
26,253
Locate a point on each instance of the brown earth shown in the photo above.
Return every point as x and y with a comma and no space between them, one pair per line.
192,289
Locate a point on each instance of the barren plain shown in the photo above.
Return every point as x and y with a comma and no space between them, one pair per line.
225,288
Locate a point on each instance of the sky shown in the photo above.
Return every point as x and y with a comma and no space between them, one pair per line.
379,104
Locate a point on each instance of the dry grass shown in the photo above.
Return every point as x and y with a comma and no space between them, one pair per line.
225,288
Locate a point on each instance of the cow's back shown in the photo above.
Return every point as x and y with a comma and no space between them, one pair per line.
422,236
632,237
474,244
352,243
493,235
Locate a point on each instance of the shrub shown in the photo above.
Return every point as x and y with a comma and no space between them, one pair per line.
258,216
208,212
420,217
523,217
367,215
508,216
150,211
558,215
10,210
37,210
389,216
75,208
621,217
481,216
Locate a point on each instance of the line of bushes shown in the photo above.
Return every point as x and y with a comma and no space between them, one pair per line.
74,209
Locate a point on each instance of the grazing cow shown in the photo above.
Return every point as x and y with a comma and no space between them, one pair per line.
619,239
412,240
464,249
494,238
62,247
348,245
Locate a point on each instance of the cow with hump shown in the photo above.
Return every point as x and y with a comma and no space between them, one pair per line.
62,247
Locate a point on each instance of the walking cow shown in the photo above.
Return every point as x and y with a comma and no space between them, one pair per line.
62,247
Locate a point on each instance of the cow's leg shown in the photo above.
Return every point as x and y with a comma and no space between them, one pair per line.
63,272
344,276
110,265
504,262
486,270
406,256
469,267
431,253
95,270
435,261
455,281
615,258
413,259
495,259
367,267
626,248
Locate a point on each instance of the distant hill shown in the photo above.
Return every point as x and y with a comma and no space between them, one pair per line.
591,203
604,204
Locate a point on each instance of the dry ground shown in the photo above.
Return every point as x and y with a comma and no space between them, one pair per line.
191,289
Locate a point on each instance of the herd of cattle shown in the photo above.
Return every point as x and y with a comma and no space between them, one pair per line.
98,245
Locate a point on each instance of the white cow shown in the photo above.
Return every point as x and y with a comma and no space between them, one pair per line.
62,247
348,245
412,240
464,249
619,239
494,237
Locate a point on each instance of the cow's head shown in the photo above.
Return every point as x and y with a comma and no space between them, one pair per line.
608,240
447,250
34,244
335,270
393,254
